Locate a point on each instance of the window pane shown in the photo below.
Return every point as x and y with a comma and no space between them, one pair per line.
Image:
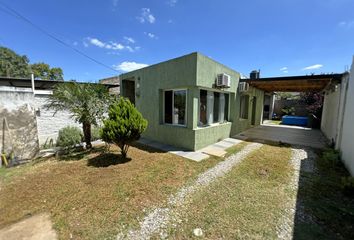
244,101
216,107
168,106
202,108
179,110
226,114
221,108
210,107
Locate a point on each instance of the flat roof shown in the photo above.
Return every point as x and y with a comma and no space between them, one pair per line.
304,83
39,84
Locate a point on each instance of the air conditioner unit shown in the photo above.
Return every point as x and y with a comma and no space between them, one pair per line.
243,87
223,80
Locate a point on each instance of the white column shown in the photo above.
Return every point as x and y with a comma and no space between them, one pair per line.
222,108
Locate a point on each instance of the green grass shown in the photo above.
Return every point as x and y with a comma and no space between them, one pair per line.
331,211
246,203
92,195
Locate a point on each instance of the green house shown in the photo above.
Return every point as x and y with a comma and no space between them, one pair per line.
192,101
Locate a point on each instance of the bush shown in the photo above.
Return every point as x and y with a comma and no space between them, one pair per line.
348,186
95,133
331,157
124,125
69,136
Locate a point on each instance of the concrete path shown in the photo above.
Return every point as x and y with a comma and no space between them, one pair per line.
156,222
217,149
286,134
38,227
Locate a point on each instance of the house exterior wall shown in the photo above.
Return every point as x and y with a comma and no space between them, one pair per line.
347,130
192,72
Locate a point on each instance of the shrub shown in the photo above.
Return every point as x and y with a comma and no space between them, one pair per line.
95,133
69,136
124,125
331,157
348,185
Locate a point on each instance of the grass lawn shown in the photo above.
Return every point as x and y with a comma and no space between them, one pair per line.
94,196
246,203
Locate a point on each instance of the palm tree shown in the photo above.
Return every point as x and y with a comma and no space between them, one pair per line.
87,102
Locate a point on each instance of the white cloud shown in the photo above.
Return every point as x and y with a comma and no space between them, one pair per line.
129,66
151,35
283,69
346,24
312,67
129,39
110,45
146,16
172,3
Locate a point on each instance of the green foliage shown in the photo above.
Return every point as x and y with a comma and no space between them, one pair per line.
43,71
348,185
12,64
288,110
95,133
69,136
124,125
86,102
331,157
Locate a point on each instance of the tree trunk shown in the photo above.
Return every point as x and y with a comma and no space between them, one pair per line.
86,127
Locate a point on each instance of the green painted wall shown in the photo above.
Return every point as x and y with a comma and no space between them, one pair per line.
192,72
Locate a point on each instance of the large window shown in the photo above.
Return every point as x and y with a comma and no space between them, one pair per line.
213,107
244,102
175,107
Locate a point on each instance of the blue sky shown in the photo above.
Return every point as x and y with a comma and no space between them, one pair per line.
280,37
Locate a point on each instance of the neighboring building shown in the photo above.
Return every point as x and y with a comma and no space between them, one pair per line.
112,81
26,124
185,106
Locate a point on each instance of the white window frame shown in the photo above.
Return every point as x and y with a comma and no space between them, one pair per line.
173,104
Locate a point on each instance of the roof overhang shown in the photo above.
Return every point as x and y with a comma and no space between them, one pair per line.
304,83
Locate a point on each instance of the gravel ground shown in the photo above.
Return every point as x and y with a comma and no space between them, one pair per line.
302,160
156,222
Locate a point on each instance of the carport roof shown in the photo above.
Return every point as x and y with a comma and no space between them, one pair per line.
303,83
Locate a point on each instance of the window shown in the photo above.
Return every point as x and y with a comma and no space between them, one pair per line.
213,107
244,101
175,107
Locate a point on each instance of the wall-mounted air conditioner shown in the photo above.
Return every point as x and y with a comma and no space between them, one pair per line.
243,87
223,80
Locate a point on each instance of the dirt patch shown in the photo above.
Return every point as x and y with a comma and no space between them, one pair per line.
38,227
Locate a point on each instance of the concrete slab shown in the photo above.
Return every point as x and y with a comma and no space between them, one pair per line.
214,151
286,134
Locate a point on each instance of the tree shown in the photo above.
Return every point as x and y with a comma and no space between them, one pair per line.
42,70
124,125
13,65
87,103
314,102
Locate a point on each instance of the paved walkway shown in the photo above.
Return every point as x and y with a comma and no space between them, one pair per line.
286,134
217,149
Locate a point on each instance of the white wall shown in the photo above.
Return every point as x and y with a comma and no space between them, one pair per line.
330,113
48,125
347,133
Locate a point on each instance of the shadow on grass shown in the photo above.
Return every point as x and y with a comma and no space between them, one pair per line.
323,211
79,153
106,160
146,148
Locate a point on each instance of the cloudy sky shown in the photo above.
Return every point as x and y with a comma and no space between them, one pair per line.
279,37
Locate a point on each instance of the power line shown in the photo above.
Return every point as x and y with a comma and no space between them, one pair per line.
16,14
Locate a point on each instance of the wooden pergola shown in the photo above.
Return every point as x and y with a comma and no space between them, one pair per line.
305,83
